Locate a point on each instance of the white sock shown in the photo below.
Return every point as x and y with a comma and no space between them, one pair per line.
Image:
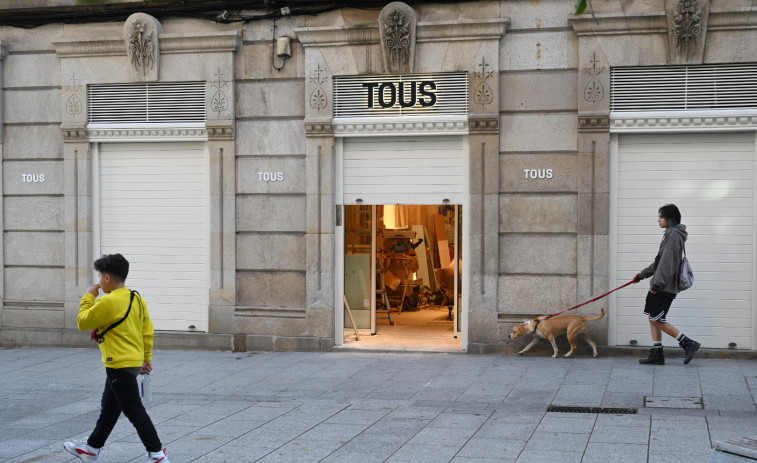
657,344
680,336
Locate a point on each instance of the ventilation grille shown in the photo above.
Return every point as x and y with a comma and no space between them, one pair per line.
675,88
577,409
147,103
352,95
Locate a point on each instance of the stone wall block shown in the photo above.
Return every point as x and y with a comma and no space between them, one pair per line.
270,137
602,214
272,325
538,50
538,254
720,47
321,322
271,213
482,327
32,105
32,318
538,214
271,174
538,132
636,50
271,289
602,256
34,248
271,99
536,294
41,213
254,61
33,177
525,91
270,252
585,214
548,173
22,284
32,141
531,15
221,319
32,70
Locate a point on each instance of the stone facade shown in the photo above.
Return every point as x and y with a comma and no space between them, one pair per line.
539,100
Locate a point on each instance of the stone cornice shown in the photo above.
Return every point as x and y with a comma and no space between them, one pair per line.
169,43
74,133
3,50
481,125
692,121
319,129
334,36
220,130
344,127
655,23
588,122
146,133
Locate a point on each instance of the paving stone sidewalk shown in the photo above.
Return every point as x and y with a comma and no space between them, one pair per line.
376,407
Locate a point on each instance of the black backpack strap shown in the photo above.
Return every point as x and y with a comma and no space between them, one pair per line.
101,336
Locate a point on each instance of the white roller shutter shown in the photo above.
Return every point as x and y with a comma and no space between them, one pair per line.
403,170
153,208
710,177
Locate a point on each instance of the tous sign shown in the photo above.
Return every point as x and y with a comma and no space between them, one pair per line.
390,93
538,173
33,178
271,176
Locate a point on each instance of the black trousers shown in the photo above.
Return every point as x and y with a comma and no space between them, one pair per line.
121,394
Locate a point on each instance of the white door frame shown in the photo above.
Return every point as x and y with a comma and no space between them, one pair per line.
339,245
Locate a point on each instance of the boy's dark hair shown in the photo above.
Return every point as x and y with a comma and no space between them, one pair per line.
114,264
670,213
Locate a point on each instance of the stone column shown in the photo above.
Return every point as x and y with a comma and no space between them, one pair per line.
483,239
3,54
223,282
593,177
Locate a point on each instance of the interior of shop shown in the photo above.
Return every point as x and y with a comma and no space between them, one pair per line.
402,277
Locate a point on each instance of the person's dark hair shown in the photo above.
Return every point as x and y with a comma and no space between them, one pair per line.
114,264
670,213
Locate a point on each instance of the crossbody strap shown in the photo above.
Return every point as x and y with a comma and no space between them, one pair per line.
101,336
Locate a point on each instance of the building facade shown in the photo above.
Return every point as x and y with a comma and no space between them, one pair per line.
270,176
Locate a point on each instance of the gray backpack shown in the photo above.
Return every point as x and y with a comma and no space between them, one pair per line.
685,274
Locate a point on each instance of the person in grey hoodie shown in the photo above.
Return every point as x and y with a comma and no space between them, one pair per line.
663,286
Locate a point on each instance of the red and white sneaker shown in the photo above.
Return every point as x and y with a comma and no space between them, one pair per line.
82,450
157,457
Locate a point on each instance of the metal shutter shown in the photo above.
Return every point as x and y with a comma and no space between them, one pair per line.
153,208
146,103
710,177
401,170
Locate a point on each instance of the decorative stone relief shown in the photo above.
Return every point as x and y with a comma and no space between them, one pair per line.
594,91
318,100
397,30
218,104
593,85
73,100
141,36
687,29
483,94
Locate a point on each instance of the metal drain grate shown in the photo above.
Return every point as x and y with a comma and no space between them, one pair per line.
606,410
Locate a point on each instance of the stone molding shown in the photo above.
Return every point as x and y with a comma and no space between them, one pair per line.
269,312
593,122
319,129
3,50
146,133
366,127
169,43
74,134
620,24
480,125
691,121
439,31
220,130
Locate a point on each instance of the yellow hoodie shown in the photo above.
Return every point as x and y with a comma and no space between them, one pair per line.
130,343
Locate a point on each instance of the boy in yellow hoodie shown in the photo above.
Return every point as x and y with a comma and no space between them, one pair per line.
125,334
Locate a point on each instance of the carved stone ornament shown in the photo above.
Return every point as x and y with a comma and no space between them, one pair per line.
687,29
141,36
397,29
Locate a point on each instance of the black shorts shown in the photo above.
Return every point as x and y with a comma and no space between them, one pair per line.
657,305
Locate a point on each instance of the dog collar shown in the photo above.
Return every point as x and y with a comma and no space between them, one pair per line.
536,324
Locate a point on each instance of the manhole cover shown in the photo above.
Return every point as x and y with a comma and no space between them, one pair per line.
575,409
673,402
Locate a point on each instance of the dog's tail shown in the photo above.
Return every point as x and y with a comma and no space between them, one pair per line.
596,317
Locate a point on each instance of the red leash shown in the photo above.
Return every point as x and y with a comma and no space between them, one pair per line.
595,299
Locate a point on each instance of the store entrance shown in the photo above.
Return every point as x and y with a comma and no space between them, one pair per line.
402,277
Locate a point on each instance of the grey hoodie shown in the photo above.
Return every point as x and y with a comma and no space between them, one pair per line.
665,277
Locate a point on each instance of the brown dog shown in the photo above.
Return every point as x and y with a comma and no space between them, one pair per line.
548,328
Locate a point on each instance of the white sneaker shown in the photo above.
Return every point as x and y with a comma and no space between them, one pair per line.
82,450
157,457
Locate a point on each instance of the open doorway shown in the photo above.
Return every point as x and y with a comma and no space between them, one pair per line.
402,277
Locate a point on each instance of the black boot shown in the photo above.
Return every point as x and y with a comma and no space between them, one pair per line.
656,357
690,347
